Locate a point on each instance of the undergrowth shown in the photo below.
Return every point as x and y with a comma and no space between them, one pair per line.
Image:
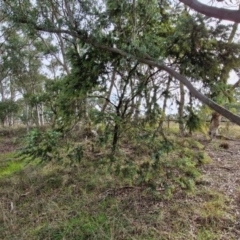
146,190
55,202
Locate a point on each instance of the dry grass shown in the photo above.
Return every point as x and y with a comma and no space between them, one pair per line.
56,201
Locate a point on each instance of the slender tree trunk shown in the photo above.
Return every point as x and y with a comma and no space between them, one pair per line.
2,91
165,102
37,120
180,109
137,106
109,92
115,136
148,102
12,92
27,117
42,115
84,108
3,99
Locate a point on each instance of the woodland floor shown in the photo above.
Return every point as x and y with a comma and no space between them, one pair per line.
215,203
223,175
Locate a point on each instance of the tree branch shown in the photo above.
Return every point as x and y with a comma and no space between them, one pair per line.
151,62
221,13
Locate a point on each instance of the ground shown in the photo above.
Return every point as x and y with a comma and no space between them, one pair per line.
223,175
62,202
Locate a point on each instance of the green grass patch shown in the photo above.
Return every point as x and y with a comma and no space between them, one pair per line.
10,164
11,167
83,226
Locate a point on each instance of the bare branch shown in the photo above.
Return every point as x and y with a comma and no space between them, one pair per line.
221,13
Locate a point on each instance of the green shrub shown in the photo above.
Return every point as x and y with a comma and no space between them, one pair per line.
43,145
167,168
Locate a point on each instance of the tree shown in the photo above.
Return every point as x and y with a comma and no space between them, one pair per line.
92,27
7,108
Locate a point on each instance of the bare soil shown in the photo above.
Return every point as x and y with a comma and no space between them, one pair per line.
223,174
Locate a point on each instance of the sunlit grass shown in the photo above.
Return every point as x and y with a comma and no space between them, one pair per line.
10,164
11,168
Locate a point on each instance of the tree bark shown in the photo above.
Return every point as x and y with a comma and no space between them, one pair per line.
221,13
27,117
110,91
165,102
180,109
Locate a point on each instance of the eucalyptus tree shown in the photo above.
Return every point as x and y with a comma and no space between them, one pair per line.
10,64
8,108
22,60
89,22
28,80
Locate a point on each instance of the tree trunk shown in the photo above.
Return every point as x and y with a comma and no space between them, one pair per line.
180,109
165,102
2,91
37,120
42,115
27,117
137,110
110,91
115,136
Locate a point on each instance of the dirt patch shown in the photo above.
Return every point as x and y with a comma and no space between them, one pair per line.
8,144
10,139
223,174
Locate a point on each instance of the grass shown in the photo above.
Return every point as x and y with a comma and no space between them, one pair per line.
87,201
11,168
55,202
9,164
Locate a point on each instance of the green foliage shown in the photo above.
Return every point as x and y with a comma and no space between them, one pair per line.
207,234
61,104
202,50
46,146
86,70
42,145
161,169
92,85
193,121
75,154
83,226
7,108
11,167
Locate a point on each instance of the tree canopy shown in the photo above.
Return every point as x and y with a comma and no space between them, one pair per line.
163,35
